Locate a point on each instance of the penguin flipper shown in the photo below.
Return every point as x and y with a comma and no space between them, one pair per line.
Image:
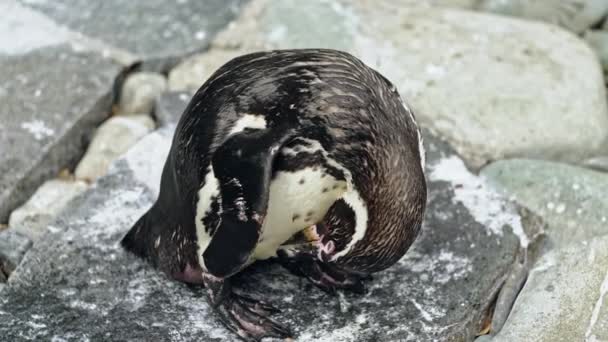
243,167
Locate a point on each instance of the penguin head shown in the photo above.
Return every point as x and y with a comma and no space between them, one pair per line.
369,236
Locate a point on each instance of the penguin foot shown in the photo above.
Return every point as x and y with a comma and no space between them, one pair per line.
245,316
325,276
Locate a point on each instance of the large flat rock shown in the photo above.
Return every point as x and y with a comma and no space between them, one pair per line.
51,98
151,30
495,87
78,276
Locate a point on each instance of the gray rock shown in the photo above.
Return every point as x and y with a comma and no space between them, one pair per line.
113,138
31,218
13,247
564,298
139,91
50,101
440,290
571,200
597,163
575,15
191,73
170,106
599,42
154,29
492,93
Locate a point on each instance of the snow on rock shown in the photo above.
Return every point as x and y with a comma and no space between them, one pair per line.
487,206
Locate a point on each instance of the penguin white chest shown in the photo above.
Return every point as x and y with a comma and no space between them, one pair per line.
297,200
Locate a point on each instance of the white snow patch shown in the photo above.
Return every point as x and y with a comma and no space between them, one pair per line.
36,325
79,304
23,30
486,205
38,129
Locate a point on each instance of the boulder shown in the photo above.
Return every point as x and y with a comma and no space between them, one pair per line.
78,275
570,199
494,87
112,139
49,200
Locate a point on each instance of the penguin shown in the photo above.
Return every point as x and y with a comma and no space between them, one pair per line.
306,156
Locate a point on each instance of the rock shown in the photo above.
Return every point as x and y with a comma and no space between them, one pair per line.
139,91
31,218
575,15
51,99
440,290
599,42
152,30
446,63
13,247
564,298
190,74
112,139
571,200
170,106
597,163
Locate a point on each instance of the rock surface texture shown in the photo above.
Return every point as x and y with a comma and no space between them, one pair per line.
46,115
572,200
564,298
440,290
59,62
48,201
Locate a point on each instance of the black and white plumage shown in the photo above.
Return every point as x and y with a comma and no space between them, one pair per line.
305,155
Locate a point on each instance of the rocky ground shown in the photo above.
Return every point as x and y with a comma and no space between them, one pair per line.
512,98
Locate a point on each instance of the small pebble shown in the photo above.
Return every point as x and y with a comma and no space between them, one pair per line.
139,92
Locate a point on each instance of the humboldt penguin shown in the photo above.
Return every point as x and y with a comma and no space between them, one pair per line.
306,156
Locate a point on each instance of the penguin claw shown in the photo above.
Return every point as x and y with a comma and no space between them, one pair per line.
325,276
248,318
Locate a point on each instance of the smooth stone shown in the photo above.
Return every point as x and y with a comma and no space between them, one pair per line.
440,290
574,15
446,63
113,138
13,247
190,74
571,200
597,163
564,298
139,91
170,106
51,100
599,42
49,200
152,30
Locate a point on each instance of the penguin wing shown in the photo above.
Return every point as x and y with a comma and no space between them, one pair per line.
243,167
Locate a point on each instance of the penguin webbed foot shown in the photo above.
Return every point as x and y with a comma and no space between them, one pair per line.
325,276
245,316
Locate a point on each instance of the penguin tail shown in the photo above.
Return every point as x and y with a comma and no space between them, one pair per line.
137,239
